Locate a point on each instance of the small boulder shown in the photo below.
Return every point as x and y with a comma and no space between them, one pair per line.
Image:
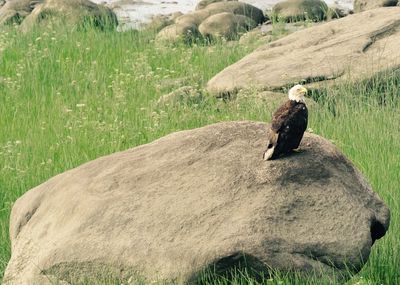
364,5
337,11
204,3
196,18
225,25
71,12
179,31
234,7
300,10
15,11
197,199
237,8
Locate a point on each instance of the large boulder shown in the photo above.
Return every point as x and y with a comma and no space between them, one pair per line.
74,12
353,48
194,200
300,10
225,25
364,5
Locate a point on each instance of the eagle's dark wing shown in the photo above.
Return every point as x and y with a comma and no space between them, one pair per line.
291,133
278,120
287,128
280,116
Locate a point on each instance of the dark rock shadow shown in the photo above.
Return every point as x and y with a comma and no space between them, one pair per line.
229,268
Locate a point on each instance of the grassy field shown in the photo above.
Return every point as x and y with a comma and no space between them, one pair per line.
69,96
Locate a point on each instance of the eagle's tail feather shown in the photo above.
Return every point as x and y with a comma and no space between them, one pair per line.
269,152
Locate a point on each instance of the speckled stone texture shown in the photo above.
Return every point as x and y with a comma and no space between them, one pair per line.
194,199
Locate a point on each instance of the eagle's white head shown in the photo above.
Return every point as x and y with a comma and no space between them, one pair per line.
297,92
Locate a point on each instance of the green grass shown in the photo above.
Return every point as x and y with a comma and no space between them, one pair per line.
69,96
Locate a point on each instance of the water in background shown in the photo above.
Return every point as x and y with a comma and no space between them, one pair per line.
134,13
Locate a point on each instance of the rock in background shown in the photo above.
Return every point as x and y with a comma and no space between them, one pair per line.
136,14
197,199
176,32
15,11
353,48
204,3
31,12
300,10
227,19
364,5
225,25
337,11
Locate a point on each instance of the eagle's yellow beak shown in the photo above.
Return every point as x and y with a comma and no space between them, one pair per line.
303,90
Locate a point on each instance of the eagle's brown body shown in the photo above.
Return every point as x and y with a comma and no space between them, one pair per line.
288,125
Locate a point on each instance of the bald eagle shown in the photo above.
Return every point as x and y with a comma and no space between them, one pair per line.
288,124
